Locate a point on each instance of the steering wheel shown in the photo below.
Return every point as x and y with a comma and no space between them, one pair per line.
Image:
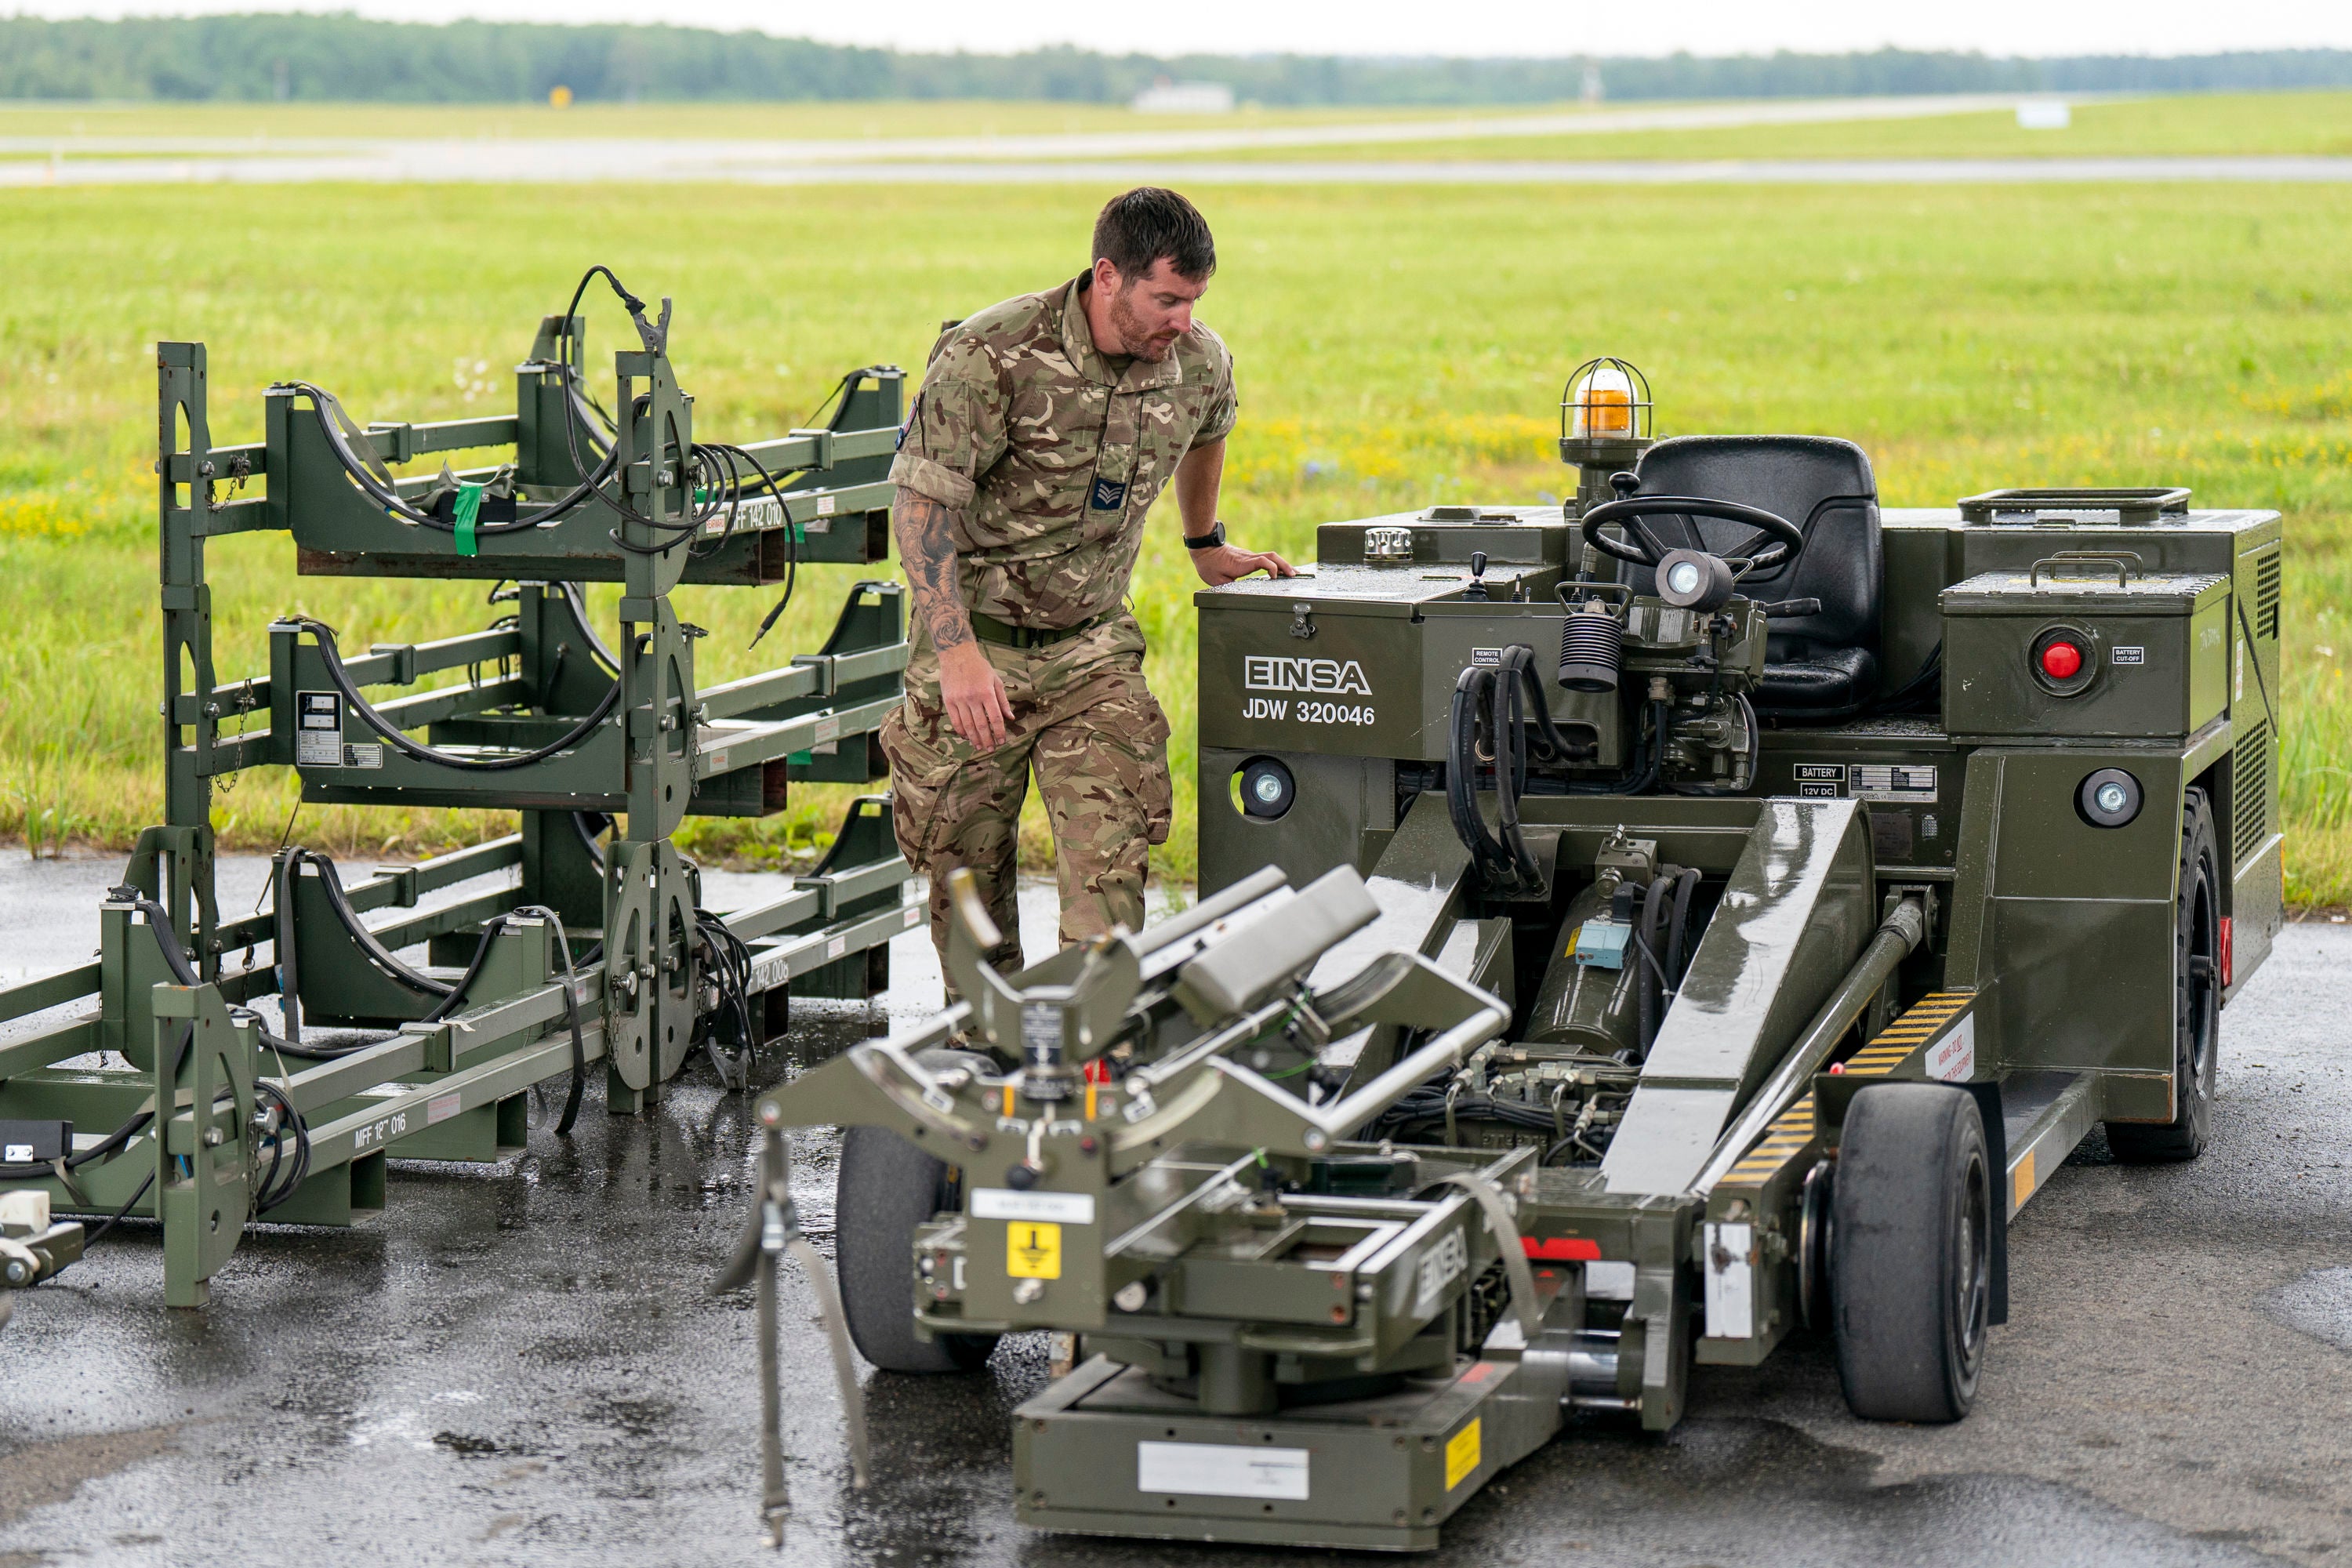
1642,550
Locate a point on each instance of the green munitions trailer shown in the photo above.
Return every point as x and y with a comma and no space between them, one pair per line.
1631,932
144,1083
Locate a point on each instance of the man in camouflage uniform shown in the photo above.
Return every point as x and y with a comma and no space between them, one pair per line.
1045,427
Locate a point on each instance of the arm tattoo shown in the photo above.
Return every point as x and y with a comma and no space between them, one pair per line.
927,544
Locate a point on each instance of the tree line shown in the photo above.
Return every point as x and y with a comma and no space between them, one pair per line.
346,58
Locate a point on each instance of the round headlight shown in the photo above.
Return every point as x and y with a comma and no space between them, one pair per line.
1683,578
2109,798
1267,789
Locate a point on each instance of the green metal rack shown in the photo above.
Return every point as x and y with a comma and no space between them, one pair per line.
148,1087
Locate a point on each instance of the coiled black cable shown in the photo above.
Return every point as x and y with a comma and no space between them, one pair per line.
340,678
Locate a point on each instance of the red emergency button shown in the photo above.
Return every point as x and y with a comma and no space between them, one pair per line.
2061,661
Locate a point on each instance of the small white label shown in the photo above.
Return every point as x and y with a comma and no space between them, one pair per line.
1486,658
838,947
911,916
1139,1107
442,1107
363,754
1730,1281
17,1153
828,728
1607,1281
1953,1058
714,761
824,506
1053,1209
2127,655
1221,1469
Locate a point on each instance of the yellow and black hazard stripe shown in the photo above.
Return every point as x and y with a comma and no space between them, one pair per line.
1791,1132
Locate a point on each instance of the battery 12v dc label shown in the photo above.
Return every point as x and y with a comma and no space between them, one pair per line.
1870,781
1820,780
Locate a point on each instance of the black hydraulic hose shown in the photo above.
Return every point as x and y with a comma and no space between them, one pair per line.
1678,943
588,834
338,902
1649,985
275,1190
455,1002
363,474
330,656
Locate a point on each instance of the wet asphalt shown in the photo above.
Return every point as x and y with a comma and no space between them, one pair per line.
520,1363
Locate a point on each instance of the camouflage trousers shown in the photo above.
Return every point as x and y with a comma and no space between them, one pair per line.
1091,732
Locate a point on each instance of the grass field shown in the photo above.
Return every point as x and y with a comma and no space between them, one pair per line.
1395,349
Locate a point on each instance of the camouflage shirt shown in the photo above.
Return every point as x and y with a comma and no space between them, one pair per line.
1050,457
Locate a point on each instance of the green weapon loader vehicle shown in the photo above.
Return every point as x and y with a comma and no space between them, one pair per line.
1720,905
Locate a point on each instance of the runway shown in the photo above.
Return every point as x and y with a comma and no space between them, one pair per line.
521,1364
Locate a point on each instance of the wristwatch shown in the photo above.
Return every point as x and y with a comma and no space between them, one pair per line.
1209,541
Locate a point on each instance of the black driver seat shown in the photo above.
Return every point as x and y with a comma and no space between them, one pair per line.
1818,666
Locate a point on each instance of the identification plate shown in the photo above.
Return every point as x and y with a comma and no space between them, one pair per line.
1870,781
318,728
1004,1202
1221,1469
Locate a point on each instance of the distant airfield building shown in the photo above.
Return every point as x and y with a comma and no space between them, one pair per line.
1165,97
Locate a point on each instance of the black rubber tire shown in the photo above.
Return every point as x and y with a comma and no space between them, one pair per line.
886,1188
1911,1252
2196,1003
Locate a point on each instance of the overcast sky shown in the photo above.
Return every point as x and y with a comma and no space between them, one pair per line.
1416,27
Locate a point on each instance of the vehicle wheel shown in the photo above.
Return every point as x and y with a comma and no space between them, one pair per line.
886,1188
1911,1244
2196,1003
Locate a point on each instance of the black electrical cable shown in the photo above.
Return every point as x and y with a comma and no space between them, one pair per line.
274,1191
571,1016
340,678
95,1237
578,599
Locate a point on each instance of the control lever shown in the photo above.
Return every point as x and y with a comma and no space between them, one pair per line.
1790,607
1477,588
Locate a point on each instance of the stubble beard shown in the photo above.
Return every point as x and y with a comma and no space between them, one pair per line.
1132,338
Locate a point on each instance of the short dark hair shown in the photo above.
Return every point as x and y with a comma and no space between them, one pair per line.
1151,224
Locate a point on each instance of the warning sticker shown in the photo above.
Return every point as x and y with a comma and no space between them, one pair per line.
1953,1058
1870,781
1461,1455
1033,1250
318,728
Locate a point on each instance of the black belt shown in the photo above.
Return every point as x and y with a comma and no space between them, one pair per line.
1005,634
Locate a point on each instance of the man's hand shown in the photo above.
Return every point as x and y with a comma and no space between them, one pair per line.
1227,561
973,694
